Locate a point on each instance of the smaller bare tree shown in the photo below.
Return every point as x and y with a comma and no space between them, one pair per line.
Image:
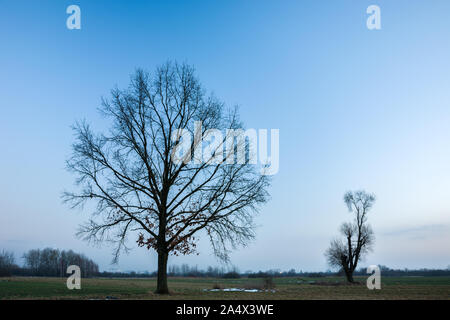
359,237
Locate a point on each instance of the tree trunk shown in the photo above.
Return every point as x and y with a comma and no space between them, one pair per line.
349,276
161,287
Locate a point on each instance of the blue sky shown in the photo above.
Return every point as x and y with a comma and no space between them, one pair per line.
355,109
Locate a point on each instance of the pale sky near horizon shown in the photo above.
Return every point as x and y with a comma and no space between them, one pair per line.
356,108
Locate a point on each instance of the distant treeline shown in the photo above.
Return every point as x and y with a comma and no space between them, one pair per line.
192,271
387,272
53,263
7,264
214,272
180,271
47,262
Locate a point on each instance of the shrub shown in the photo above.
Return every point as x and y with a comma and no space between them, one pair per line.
217,286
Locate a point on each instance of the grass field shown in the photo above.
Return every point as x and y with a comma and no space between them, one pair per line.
193,288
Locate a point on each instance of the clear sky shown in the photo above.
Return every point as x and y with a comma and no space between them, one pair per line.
356,108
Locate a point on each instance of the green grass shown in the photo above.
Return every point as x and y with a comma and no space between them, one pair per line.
193,288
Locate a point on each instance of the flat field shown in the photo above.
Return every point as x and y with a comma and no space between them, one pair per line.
291,288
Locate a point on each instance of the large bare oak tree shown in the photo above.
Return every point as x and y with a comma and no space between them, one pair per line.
142,188
358,235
